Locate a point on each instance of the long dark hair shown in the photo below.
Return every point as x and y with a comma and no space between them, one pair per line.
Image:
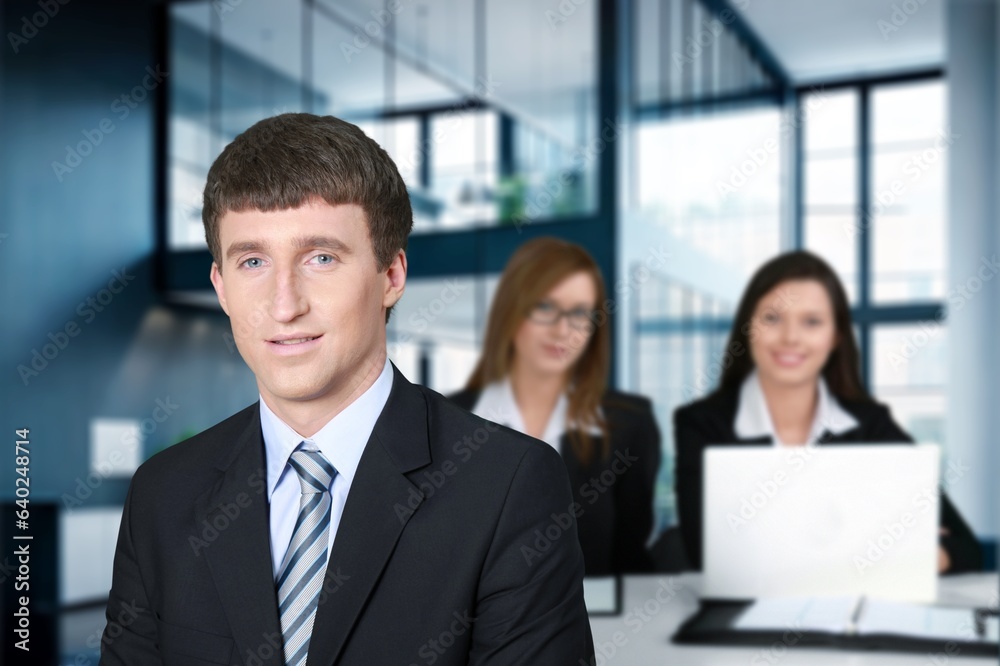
841,371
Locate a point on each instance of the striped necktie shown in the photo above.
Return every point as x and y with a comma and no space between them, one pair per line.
305,560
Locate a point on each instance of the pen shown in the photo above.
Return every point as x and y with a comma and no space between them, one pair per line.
852,627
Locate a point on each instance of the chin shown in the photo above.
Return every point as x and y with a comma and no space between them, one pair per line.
793,377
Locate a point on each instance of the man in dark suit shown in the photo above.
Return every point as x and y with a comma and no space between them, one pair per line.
349,517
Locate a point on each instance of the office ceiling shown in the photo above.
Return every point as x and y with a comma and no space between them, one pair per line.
826,39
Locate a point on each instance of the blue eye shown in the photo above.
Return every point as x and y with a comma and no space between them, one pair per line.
324,259
248,265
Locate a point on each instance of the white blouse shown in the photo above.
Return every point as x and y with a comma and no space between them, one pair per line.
496,403
753,419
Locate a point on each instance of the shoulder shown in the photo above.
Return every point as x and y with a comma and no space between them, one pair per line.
712,410
466,398
188,462
866,411
625,404
457,431
875,421
208,446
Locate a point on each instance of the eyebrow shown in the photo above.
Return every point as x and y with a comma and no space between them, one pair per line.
301,243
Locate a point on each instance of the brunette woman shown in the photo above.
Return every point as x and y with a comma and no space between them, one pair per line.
792,379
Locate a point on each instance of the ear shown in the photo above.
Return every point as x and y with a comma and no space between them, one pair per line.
220,288
395,280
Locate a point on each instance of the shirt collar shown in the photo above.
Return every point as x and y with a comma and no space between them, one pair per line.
496,403
342,440
753,419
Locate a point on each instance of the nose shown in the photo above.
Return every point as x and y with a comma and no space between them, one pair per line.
288,297
789,332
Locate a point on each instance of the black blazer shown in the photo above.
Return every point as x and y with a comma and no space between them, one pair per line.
615,495
428,565
709,421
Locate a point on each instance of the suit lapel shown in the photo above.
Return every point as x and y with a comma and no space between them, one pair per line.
380,503
239,558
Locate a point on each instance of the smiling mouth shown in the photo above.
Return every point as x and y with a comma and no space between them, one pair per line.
294,341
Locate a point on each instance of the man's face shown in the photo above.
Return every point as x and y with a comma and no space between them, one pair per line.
305,298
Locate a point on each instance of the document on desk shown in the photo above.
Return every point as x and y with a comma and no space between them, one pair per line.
863,616
827,614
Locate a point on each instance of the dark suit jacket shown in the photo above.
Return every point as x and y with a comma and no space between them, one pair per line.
617,517
446,552
709,421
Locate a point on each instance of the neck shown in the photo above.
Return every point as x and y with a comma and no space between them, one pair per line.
792,406
307,417
534,391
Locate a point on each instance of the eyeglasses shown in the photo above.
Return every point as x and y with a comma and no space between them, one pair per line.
578,318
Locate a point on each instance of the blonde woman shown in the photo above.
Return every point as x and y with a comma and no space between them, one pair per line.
544,371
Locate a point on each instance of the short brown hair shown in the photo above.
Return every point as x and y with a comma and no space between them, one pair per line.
285,161
532,271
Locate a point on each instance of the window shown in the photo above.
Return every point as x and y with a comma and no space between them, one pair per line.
896,134
708,195
910,140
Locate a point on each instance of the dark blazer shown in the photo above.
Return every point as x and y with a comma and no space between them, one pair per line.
709,421
445,553
615,494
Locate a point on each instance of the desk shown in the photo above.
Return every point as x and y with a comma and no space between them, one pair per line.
654,606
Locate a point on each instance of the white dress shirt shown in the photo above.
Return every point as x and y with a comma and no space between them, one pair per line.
342,440
496,403
753,419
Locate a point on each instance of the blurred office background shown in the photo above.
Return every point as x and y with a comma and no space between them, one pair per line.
682,142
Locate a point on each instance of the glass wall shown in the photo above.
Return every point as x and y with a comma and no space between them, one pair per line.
483,133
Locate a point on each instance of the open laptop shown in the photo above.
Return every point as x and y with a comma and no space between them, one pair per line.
821,521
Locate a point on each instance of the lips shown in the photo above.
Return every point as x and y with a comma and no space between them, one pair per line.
788,360
554,350
296,343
